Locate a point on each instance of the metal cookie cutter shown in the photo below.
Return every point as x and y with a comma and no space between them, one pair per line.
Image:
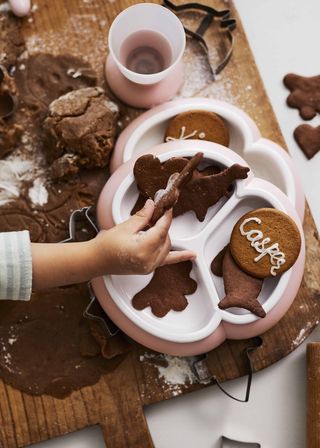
8,102
203,374
94,310
230,443
226,23
76,215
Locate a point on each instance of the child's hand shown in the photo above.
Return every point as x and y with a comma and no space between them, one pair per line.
127,249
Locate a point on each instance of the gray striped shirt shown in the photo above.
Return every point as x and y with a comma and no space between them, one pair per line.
15,266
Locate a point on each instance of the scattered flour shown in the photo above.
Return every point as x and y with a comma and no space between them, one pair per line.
34,7
76,33
303,334
11,341
38,192
6,360
178,371
4,7
175,375
14,172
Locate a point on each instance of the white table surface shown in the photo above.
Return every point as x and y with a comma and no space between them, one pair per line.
284,36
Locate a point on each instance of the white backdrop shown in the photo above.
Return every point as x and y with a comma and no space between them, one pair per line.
284,36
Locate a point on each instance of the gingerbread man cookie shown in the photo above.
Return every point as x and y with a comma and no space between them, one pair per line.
265,242
198,124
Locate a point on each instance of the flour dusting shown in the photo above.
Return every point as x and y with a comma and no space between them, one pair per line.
38,192
177,372
14,172
174,371
5,7
303,334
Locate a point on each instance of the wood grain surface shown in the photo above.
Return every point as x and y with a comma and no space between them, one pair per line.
116,402
313,395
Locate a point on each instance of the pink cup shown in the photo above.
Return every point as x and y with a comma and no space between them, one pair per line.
155,35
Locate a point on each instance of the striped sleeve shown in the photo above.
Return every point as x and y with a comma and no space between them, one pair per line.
15,266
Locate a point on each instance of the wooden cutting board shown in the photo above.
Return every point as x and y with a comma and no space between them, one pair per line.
116,401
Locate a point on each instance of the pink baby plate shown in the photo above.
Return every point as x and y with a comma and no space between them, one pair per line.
266,159
202,326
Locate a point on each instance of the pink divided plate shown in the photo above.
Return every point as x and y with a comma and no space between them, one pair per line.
202,325
266,159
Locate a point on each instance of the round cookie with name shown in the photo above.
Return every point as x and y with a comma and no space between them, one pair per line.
265,242
198,124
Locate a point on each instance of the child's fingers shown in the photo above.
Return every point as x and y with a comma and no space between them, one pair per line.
140,219
160,230
164,250
177,256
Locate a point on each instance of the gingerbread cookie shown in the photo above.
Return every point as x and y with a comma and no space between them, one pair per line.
305,94
204,189
308,138
167,289
151,175
198,124
216,264
208,171
265,242
241,289
167,198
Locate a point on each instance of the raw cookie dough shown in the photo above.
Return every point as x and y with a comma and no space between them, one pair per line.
10,134
43,77
46,346
10,131
11,40
198,124
81,123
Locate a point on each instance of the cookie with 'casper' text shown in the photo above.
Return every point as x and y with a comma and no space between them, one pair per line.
265,242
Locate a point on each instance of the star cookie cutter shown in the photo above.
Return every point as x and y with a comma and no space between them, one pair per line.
8,102
226,23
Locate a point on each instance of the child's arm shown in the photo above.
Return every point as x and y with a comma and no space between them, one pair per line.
124,249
